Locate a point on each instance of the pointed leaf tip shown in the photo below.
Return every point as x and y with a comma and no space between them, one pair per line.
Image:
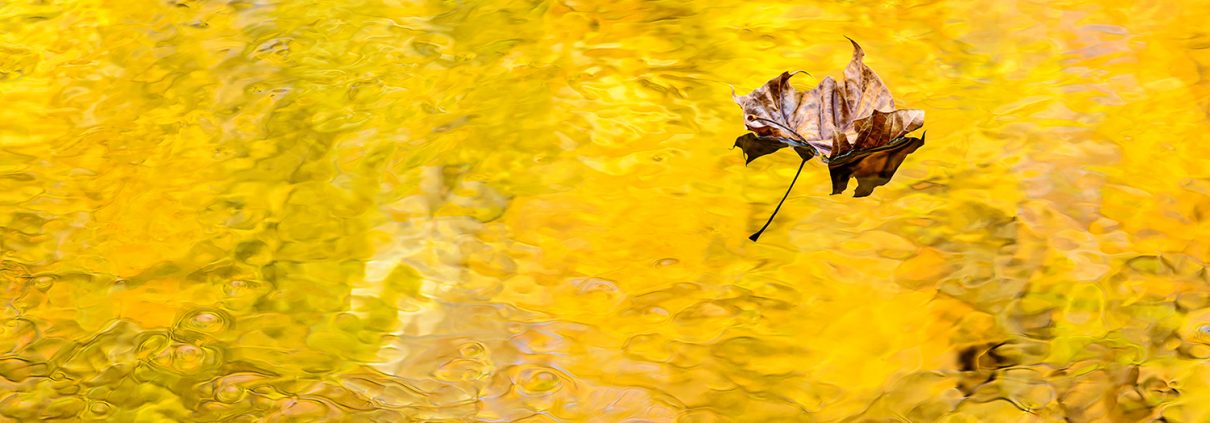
800,71
858,52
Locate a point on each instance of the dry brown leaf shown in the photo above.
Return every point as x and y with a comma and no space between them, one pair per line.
854,127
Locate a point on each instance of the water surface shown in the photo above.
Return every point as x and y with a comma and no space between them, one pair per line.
528,211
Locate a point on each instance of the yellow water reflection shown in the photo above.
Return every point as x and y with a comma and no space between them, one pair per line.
528,211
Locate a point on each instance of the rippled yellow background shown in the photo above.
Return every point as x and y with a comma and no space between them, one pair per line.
528,211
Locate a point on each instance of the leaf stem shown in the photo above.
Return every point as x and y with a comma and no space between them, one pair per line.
756,235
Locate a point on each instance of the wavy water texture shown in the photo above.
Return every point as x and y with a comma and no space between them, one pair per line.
527,211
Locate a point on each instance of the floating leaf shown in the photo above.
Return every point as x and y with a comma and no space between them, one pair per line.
853,127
